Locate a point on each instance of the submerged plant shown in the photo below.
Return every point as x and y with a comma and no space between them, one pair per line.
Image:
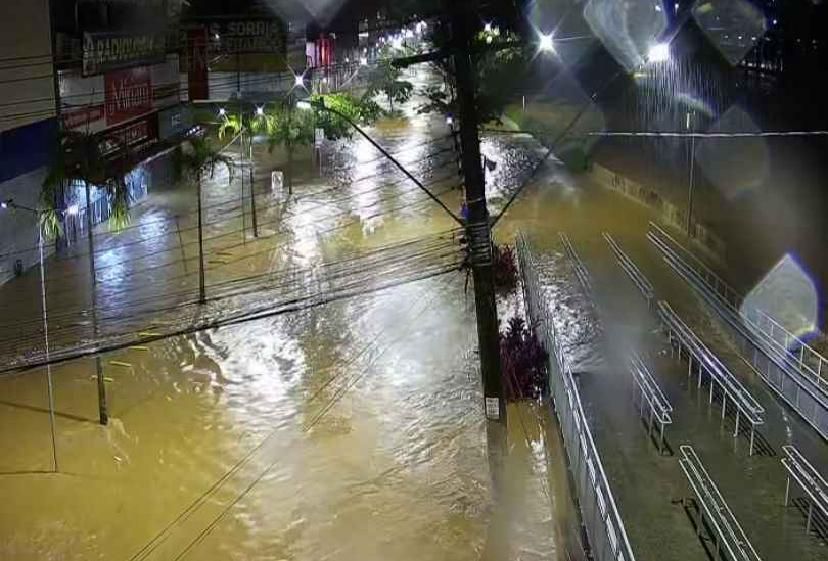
505,269
523,361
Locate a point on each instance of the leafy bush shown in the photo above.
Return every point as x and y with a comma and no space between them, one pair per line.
523,360
505,269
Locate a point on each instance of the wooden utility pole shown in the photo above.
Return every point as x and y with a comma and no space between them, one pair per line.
478,228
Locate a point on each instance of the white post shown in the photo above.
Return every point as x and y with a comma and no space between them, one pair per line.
46,343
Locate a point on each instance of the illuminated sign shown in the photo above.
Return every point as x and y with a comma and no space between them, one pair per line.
128,94
110,51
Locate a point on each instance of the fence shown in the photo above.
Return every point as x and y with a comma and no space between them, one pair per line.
632,270
604,527
728,533
809,479
781,368
580,270
650,394
681,336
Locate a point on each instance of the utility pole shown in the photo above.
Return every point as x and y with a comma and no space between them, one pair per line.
478,228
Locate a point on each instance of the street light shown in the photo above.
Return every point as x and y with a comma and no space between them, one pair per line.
545,43
660,52
222,111
363,61
9,203
260,111
299,81
72,210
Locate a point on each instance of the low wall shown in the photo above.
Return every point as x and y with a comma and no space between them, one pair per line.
667,211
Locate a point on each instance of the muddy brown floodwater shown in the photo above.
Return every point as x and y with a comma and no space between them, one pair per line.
351,430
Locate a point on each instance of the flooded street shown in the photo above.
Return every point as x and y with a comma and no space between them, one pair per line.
340,416
350,429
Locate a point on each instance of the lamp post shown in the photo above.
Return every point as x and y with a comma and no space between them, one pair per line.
10,204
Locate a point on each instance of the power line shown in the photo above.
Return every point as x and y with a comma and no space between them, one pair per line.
760,134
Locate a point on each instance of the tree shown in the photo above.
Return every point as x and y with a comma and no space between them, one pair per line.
79,156
285,126
501,60
198,156
384,78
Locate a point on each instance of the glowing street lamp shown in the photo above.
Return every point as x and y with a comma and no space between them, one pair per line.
303,104
660,52
299,81
363,61
488,27
72,210
222,111
545,43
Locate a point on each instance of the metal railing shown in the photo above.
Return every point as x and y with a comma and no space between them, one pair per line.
716,283
604,527
810,362
809,479
807,358
660,410
776,365
728,533
580,270
681,336
632,270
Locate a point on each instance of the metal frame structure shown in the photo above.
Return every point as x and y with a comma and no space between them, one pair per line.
580,270
681,336
782,370
599,513
632,270
811,481
729,535
808,361
651,394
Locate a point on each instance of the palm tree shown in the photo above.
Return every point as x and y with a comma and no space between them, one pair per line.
79,156
197,157
240,125
287,128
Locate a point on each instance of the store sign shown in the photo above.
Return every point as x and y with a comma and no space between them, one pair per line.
134,136
249,36
128,94
109,51
83,117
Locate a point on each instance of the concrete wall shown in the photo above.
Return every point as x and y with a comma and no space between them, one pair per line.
18,228
26,84
26,125
668,212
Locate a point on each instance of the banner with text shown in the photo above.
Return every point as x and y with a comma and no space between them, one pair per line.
113,50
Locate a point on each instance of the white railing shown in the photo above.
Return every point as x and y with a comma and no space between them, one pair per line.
809,479
805,392
810,362
604,526
580,270
729,536
632,270
660,410
681,336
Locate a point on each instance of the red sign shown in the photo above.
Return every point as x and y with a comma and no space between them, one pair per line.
79,118
197,73
134,136
128,94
